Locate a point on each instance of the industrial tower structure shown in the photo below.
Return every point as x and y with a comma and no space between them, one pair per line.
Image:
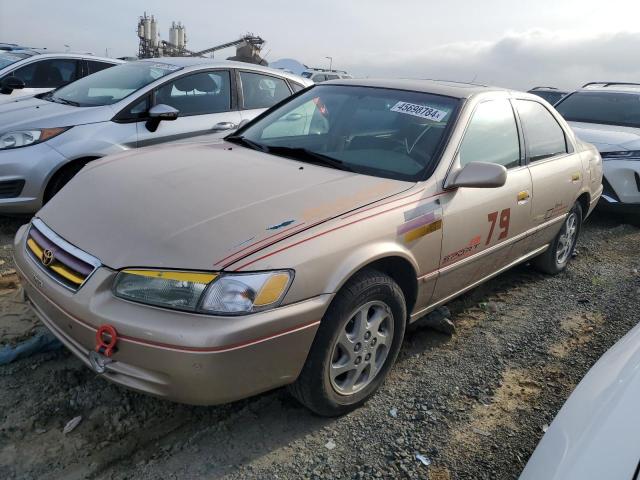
248,46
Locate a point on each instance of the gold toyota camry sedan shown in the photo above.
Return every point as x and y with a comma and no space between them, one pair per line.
296,251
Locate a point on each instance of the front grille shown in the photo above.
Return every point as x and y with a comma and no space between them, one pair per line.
66,264
11,188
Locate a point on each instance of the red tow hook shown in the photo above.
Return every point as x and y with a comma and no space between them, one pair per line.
106,347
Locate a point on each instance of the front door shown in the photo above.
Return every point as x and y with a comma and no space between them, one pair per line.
43,75
484,228
204,101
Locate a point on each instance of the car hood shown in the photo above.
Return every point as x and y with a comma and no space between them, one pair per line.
594,436
608,138
32,112
190,206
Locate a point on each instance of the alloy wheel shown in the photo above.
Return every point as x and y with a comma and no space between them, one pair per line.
361,348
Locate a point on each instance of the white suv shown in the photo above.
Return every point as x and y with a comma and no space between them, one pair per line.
319,75
28,72
607,114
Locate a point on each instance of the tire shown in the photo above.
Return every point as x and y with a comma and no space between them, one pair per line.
366,321
61,178
555,259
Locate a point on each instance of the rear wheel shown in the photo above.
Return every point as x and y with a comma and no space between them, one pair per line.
357,343
557,256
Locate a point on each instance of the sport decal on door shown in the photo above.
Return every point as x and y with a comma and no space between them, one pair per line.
505,216
474,243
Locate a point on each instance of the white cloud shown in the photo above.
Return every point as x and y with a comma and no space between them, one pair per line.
517,60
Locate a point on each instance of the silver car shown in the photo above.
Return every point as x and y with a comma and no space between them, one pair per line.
28,72
45,141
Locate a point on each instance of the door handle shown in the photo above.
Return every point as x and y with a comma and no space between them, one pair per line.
523,196
218,127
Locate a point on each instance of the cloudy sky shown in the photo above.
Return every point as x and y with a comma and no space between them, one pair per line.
509,43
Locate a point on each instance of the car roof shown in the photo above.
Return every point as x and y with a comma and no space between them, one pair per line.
618,87
47,54
439,87
186,62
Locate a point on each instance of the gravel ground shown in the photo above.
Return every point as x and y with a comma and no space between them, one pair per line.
473,404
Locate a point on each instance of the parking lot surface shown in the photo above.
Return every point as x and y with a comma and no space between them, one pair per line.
470,405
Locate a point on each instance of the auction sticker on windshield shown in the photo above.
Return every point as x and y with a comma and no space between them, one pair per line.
421,111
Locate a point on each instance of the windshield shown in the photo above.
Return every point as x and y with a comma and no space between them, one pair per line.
7,59
111,85
388,133
602,107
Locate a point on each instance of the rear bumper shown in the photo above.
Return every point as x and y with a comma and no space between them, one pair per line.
188,358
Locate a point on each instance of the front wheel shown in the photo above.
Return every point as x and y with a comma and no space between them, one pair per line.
557,256
357,343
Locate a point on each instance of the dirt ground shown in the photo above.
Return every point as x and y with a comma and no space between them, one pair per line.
473,404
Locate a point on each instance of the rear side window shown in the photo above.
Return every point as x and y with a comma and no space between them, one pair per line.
95,66
52,73
492,136
262,91
296,86
543,135
197,94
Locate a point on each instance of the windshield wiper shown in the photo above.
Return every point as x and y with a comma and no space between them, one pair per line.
64,101
240,140
304,155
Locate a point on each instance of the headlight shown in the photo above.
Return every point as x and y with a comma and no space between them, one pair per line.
622,155
24,138
223,294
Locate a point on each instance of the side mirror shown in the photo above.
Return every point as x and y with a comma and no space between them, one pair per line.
9,84
160,112
479,175
243,122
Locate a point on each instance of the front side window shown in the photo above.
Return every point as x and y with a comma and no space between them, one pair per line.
262,91
198,94
609,108
112,84
50,73
319,78
387,133
543,135
491,136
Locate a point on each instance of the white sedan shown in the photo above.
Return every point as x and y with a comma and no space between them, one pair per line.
595,434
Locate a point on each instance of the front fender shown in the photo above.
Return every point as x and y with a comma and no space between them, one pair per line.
366,255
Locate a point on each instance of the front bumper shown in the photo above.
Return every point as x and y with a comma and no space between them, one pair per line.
621,182
34,165
189,358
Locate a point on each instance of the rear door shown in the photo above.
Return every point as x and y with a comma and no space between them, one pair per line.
259,91
206,102
484,228
556,170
